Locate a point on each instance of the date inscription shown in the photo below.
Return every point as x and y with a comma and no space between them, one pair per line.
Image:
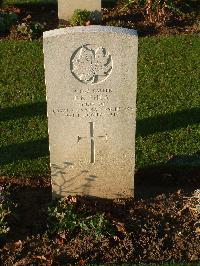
92,103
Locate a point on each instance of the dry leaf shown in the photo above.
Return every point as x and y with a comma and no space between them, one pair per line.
116,238
121,227
18,244
40,257
88,23
82,262
73,199
197,230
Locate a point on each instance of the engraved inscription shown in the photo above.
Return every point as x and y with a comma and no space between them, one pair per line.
113,111
92,141
90,64
93,103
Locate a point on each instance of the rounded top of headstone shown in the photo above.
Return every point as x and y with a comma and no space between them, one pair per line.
86,29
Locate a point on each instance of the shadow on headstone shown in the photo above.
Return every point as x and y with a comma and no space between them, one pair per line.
69,186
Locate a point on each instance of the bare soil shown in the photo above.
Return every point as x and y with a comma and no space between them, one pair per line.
163,227
186,22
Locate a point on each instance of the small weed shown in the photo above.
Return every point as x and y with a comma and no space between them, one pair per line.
63,218
37,29
97,226
80,17
31,30
24,29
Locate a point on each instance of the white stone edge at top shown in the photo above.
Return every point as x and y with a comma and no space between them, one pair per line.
86,29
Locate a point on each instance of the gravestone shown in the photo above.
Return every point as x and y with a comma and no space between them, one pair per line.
91,80
66,8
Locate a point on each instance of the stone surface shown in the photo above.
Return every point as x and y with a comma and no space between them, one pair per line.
91,80
66,8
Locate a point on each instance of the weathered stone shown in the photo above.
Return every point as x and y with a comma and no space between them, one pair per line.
91,79
66,8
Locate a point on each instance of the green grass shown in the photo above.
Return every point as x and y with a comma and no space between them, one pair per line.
24,144
168,106
168,111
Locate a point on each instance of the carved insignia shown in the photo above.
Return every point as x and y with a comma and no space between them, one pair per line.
90,65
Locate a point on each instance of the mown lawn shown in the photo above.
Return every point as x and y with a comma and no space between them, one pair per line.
168,105
24,144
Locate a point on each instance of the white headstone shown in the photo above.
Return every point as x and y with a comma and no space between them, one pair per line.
91,80
66,8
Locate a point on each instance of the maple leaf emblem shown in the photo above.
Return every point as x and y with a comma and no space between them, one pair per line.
91,65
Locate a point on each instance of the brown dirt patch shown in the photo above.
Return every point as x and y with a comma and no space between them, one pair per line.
46,15
153,229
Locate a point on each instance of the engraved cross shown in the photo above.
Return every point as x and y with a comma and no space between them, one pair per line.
92,141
